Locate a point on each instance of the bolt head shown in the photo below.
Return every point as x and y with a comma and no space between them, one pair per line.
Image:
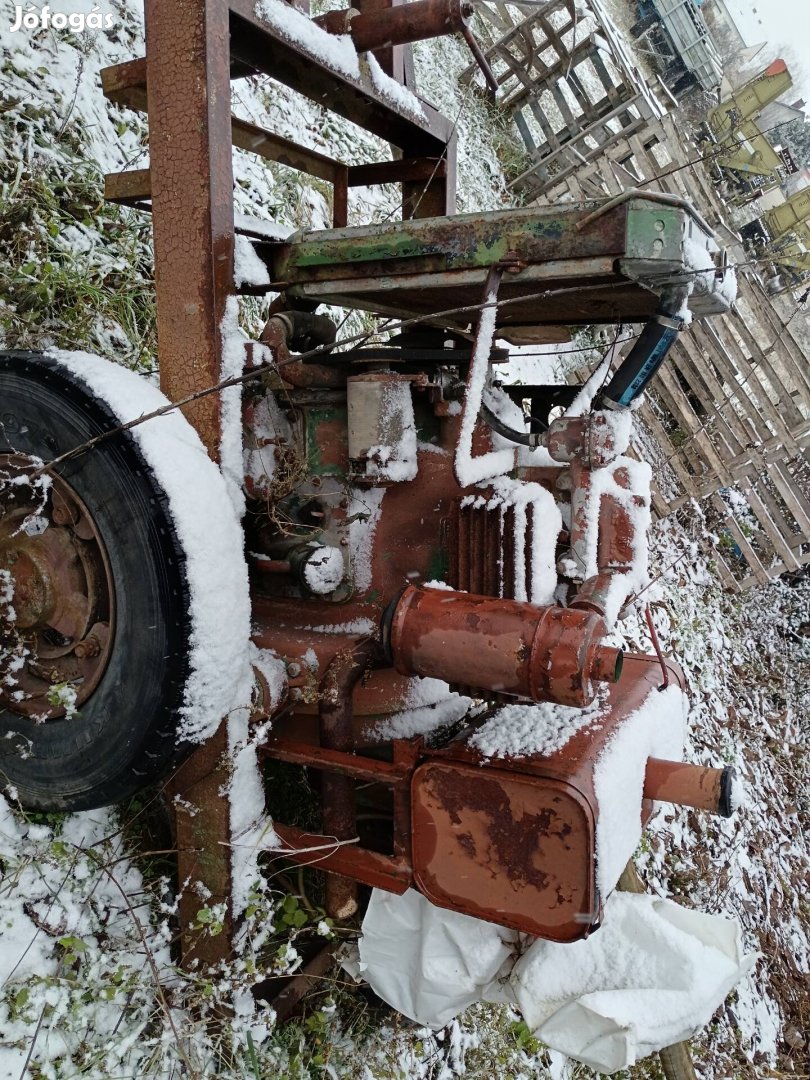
88,648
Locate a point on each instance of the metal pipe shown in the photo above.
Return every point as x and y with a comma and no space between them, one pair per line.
272,566
523,438
302,330
481,60
308,977
504,646
343,673
648,353
704,788
615,551
417,21
598,593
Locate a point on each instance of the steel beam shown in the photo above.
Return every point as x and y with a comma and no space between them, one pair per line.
125,84
201,819
192,197
188,100
262,46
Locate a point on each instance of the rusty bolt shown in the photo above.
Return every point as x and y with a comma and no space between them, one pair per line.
296,693
293,669
88,647
62,514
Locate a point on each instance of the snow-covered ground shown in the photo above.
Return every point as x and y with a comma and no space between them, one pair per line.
86,924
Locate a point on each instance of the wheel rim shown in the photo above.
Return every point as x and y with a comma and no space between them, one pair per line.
57,599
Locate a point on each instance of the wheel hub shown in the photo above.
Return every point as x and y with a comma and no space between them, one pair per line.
56,624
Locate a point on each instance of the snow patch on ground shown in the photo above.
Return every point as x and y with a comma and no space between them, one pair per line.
72,916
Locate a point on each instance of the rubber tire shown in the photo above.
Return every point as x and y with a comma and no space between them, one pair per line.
124,736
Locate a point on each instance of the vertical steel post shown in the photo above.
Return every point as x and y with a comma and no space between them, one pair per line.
437,197
188,78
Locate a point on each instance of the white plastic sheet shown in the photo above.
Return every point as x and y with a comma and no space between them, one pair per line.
428,963
652,975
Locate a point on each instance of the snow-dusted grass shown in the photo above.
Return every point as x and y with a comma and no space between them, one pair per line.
747,660
75,272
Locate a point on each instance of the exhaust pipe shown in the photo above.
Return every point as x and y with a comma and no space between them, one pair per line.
719,791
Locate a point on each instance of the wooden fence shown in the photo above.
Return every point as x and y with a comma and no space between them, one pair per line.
730,411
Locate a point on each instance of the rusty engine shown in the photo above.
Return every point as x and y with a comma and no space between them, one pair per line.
418,532
408,523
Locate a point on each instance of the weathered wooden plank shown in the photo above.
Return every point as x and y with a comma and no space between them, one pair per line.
774,529
760,572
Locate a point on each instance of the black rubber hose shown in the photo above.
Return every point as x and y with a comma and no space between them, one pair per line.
523,438
649,352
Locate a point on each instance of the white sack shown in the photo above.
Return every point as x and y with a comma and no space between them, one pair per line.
652,975
428,963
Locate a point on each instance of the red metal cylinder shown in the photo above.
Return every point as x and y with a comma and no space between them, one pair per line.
400,25
588,439
505,646
699,786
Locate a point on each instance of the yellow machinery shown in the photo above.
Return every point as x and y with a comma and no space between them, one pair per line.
749,100
743,154
792,216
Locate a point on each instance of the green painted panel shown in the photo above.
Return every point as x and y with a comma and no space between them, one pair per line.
655,233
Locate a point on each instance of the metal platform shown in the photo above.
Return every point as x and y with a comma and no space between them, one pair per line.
576,265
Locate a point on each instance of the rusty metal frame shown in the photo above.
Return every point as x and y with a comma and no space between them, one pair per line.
568,772
428,146
183,83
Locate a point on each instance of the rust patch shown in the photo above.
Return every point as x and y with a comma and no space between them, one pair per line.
62,595
511,849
